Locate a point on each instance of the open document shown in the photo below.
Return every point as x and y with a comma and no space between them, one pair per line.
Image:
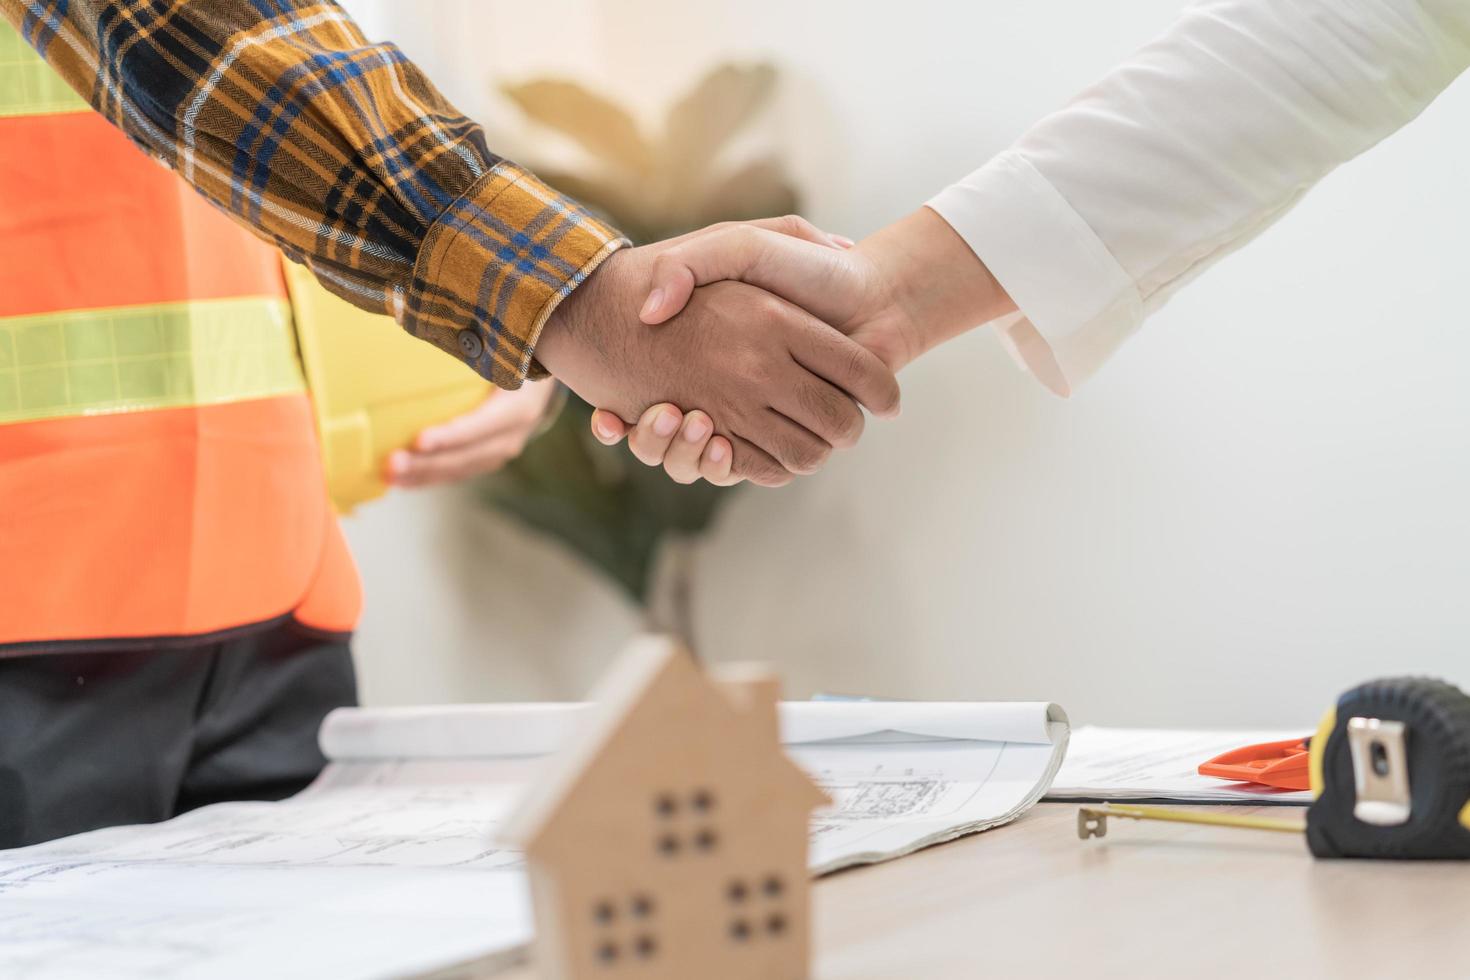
387,867
1160,764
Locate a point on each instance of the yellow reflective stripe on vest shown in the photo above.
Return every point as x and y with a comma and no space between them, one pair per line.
135,358
29,86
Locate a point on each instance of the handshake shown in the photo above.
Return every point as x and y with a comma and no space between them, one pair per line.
744,351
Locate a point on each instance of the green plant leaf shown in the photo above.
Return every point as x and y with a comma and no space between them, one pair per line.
604,129
598,501
609,509
700,124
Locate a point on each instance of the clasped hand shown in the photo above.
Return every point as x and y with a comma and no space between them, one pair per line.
777,332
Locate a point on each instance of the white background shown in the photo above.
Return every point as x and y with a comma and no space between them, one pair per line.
1259,502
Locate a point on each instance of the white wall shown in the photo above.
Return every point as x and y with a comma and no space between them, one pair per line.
1257,504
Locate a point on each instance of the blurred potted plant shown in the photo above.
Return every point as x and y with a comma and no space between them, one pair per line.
602,503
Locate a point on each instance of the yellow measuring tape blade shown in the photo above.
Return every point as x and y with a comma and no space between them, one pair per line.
138,358
1133,812
28,86
1092,821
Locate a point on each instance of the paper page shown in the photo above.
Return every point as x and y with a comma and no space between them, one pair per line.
904,774
387,878
894,796
1161,764
452,731
987,721
384,867
508,730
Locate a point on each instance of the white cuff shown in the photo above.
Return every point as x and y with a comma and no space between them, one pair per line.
1076,303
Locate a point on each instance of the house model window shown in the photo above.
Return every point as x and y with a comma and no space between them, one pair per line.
670,840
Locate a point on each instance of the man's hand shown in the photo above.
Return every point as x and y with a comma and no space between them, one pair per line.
783,385
906,289
480,441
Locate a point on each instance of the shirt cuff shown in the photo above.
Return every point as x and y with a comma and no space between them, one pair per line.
1076,303
494,266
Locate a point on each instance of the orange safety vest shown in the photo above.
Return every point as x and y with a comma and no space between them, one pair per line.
160,479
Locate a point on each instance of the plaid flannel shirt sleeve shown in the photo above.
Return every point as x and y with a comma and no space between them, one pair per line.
339,151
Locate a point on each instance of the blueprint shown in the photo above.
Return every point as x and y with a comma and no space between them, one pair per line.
368,881
387,865
1162,764
896,794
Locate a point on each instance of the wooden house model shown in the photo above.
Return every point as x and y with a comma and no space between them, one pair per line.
670,840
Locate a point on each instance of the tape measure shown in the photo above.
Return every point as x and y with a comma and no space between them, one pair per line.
1390,771
1390,778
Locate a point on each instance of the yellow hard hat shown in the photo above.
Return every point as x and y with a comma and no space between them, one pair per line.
373,387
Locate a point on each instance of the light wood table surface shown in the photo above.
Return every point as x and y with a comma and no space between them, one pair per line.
1149,900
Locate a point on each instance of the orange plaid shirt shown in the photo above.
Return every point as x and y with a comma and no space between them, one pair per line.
339,151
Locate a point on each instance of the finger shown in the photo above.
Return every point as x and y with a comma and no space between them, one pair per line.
715,463
795,226
806,274
847,364
681,462
411,469
655,430
791,225
608,428
825,410
751,462
481,422
797,449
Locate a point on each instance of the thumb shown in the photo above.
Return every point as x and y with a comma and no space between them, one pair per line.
809,275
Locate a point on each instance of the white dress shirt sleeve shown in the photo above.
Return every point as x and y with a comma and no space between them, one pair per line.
1186,152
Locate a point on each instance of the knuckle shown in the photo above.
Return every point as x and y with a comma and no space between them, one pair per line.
806,457
752,366
867,370
839,418
859,362
774,317
758,470
779,480
850,427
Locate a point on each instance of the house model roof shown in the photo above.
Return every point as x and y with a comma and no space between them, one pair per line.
656,695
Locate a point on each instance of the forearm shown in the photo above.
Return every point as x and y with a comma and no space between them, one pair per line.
1186,152
340,152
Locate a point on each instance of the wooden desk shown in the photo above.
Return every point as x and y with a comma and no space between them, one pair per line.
1149,900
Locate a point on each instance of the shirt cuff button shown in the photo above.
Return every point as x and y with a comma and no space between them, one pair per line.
469,342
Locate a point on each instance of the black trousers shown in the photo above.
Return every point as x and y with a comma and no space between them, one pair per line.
93,739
